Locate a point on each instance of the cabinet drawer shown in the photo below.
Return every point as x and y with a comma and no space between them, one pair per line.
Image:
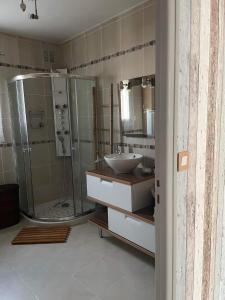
110,192
135,230
127,197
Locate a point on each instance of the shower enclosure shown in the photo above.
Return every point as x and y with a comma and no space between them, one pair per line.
54,143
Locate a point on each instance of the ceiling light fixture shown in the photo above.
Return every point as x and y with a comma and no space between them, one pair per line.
23,6
33,16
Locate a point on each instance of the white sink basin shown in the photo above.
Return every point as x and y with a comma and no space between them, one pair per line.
123,163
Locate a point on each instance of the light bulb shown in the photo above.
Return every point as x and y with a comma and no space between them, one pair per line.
23,6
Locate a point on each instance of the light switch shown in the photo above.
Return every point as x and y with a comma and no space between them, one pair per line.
182,161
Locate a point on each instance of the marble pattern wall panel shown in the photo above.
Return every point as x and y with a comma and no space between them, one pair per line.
200,215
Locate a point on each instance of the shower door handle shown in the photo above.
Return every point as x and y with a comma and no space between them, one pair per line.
29,149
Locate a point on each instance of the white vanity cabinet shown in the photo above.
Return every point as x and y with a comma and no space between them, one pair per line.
132,228
130,197
129,215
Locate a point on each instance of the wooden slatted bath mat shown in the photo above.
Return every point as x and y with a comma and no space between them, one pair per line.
42,235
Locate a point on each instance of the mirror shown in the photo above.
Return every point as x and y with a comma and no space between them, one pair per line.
137,106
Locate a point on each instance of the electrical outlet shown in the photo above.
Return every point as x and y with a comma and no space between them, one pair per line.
182,161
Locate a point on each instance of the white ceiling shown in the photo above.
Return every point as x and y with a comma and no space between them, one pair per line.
59,19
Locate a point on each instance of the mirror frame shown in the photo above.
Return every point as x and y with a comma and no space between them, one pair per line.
144,81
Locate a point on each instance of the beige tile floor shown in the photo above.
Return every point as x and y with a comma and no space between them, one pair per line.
84,268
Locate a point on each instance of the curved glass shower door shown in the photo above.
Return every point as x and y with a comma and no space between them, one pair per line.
54,141
21,146
51,167
82,105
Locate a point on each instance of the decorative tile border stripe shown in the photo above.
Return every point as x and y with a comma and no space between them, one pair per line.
23,67
117,54
93,62
140,146
151,147
6,145
42,142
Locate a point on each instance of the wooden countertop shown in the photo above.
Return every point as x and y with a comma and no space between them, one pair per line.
129,179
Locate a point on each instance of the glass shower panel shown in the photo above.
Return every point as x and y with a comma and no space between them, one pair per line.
51,172
83,124
20,145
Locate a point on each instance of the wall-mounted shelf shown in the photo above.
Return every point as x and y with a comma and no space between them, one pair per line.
101,221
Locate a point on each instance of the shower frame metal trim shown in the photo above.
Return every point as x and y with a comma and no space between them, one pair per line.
19,79
50,75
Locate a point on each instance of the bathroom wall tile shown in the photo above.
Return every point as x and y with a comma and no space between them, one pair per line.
47,87
116,119
112,70
106,96
43,194
35,103
50,129
106,117
2,180
133,64
40,176
49,107
111,37
1,162
79,50
80,71
149,61
57,171
38,134
67,54
9,73
150,22
34,86
30,52
10,177
3,85
5,130
87,134
8,159
87,155
95,70
94,44
39,155
52,152
9,46
4,106
132,29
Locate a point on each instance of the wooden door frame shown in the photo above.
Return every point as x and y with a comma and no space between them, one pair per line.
165,149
